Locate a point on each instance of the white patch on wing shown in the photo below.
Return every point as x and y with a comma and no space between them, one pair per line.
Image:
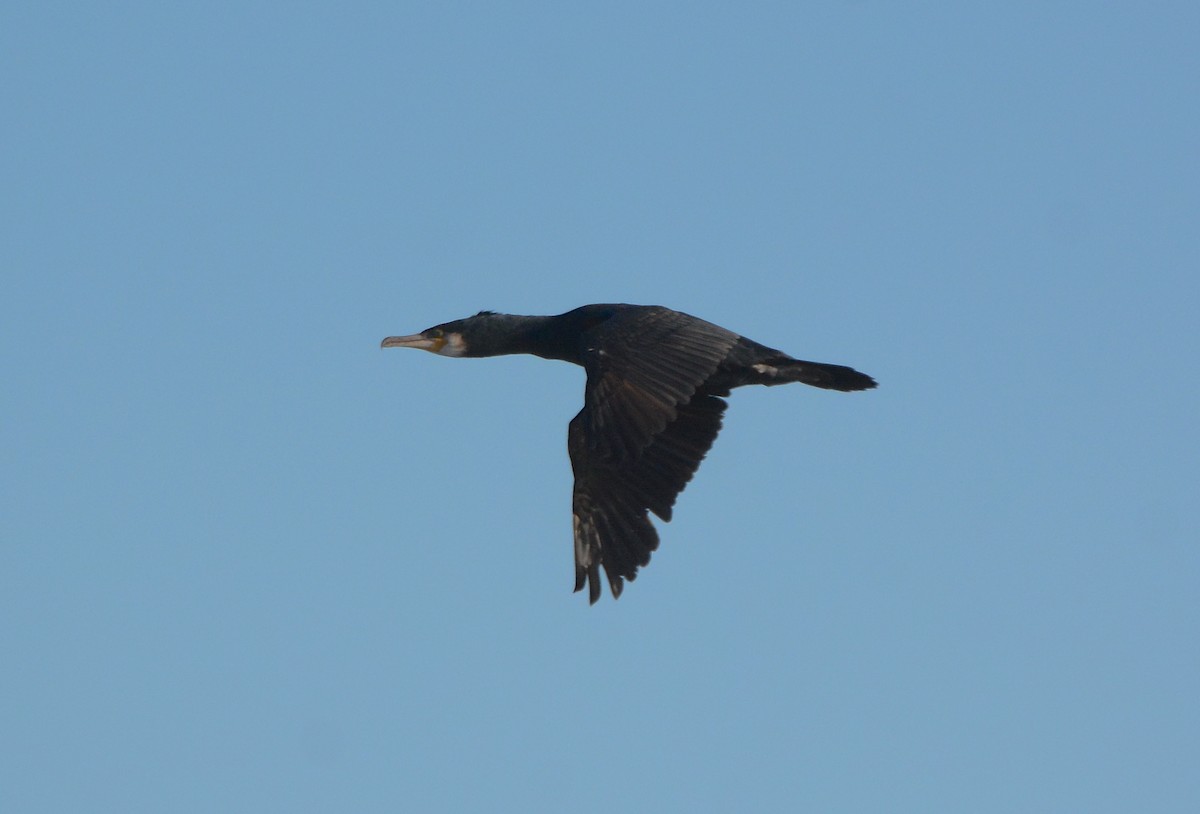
766,370
583,552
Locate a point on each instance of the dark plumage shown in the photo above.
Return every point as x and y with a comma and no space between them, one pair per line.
652,408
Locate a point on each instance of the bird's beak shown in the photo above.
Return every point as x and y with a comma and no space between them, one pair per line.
418,341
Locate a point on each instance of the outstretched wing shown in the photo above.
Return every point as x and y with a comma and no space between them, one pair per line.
642,432
612,498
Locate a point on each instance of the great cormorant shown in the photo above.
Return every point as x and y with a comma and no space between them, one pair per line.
652,408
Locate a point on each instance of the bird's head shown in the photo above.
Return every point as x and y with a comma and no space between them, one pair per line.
463,337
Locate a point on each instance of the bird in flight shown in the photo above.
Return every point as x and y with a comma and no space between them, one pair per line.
652,407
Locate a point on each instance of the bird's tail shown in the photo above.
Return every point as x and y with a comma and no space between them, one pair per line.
783,370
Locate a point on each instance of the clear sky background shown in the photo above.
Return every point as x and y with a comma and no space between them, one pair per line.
252,563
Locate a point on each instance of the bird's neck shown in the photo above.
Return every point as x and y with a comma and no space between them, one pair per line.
550,337
514,333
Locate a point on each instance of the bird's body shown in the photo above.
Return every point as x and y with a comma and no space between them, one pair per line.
653,403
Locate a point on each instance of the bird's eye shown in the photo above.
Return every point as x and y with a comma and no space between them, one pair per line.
434,333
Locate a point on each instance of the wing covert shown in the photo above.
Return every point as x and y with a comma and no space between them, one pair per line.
641,365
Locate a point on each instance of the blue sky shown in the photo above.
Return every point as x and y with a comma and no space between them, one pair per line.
250,562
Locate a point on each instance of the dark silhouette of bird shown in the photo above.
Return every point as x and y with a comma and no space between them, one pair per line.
652,407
